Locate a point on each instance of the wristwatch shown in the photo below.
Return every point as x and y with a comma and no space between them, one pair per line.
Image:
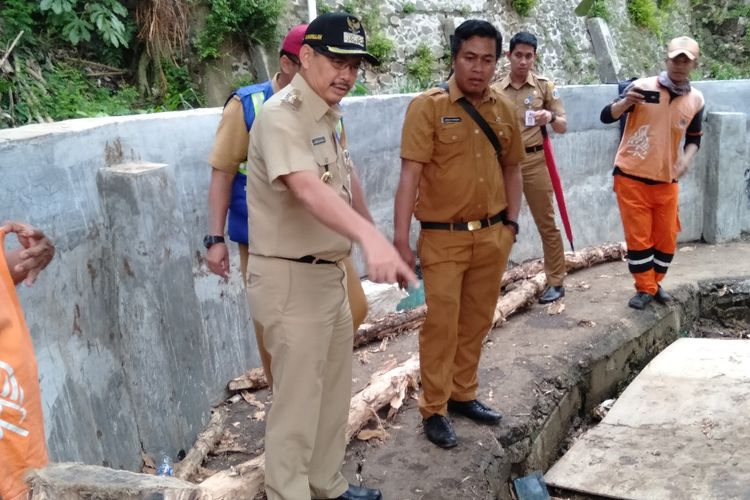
210,240
553,117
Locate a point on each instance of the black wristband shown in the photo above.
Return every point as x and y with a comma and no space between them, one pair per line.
553,117
512,224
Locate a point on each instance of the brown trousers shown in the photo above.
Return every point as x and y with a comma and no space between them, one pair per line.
651,223
462,271
357,303
537,189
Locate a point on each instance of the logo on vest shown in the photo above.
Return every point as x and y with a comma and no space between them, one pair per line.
638,145
12,412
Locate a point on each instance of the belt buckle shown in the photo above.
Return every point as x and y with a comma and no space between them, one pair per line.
473,225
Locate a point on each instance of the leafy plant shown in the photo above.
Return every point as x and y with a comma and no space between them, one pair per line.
251,21
523,7
323,8
180,92
408,8
359,89
599,9
380,46
106,18
421,66
644,13
18,15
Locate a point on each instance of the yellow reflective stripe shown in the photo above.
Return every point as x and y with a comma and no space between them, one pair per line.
258,100
339,127
243,168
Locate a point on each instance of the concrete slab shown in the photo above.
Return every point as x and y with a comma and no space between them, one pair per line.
678,431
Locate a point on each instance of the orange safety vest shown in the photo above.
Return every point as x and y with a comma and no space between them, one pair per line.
653,132
22,444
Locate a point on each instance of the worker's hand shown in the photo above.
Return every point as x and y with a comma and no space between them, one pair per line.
217,258
384,264
679,168
633,96
542,117
37,251
406,253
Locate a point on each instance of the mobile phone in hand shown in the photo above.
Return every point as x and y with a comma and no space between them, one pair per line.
649,96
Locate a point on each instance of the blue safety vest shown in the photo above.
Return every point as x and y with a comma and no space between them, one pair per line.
252,98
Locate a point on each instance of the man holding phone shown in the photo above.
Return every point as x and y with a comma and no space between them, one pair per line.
661,111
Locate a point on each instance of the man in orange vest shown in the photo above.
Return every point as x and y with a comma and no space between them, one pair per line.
22,444
661,111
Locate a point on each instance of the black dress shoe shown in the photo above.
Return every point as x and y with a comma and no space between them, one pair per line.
662,297
359,493
551,294
640,300
439,430
475,410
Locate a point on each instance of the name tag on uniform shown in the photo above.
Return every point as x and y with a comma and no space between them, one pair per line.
318,141
451,119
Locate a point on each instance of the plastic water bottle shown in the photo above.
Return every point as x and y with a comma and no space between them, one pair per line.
165,466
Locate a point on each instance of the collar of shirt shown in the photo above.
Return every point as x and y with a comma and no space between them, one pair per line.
454,93
315,105
275,83
505,82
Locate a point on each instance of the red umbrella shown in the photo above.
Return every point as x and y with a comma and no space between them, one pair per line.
549,156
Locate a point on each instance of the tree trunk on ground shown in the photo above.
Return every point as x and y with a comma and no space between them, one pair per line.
204,444
386,387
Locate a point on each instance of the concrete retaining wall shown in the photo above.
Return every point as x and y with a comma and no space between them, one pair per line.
135,339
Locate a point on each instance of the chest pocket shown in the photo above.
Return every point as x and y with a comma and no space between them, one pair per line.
504,132
452,133
325,156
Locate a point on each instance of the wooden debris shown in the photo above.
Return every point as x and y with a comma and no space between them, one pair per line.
390,325
250,380
206,441
245,480
10,49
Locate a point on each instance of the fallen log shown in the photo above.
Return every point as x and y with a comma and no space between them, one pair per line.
395,323
386,387
206,442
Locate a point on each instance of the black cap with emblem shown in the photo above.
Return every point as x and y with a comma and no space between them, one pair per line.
339,34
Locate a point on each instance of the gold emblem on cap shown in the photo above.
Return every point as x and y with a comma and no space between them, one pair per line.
354,24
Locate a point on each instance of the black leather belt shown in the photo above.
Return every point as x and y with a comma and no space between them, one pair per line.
310,259
534,149
471,225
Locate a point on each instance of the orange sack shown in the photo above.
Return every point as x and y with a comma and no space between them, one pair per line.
22,445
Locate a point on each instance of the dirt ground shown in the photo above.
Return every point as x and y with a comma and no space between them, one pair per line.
527,368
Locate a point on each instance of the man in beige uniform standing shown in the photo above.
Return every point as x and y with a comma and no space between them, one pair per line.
537,105
227,193
305,214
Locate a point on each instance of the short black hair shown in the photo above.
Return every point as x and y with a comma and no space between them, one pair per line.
476,27
525,38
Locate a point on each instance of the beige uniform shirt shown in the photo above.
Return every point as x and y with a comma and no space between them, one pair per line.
536,93
231,142
296,131
461,179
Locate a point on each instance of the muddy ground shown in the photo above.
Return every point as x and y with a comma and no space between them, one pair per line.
539,359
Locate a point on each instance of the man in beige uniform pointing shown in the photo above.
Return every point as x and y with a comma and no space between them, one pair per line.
305,214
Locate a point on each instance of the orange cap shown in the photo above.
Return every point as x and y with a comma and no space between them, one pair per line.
683,45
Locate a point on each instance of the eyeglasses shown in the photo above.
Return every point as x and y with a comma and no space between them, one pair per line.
341,63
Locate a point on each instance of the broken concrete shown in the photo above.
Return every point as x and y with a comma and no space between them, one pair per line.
678,430
71,481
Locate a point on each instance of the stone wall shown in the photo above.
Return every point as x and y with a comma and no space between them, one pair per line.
136,339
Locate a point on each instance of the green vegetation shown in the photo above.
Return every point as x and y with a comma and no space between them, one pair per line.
323,8
421,66
252,22
645,14
380,46
523,7
408,8
599,9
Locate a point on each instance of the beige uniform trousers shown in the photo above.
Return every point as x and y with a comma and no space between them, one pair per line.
357,303
304,314
537,188
462,271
